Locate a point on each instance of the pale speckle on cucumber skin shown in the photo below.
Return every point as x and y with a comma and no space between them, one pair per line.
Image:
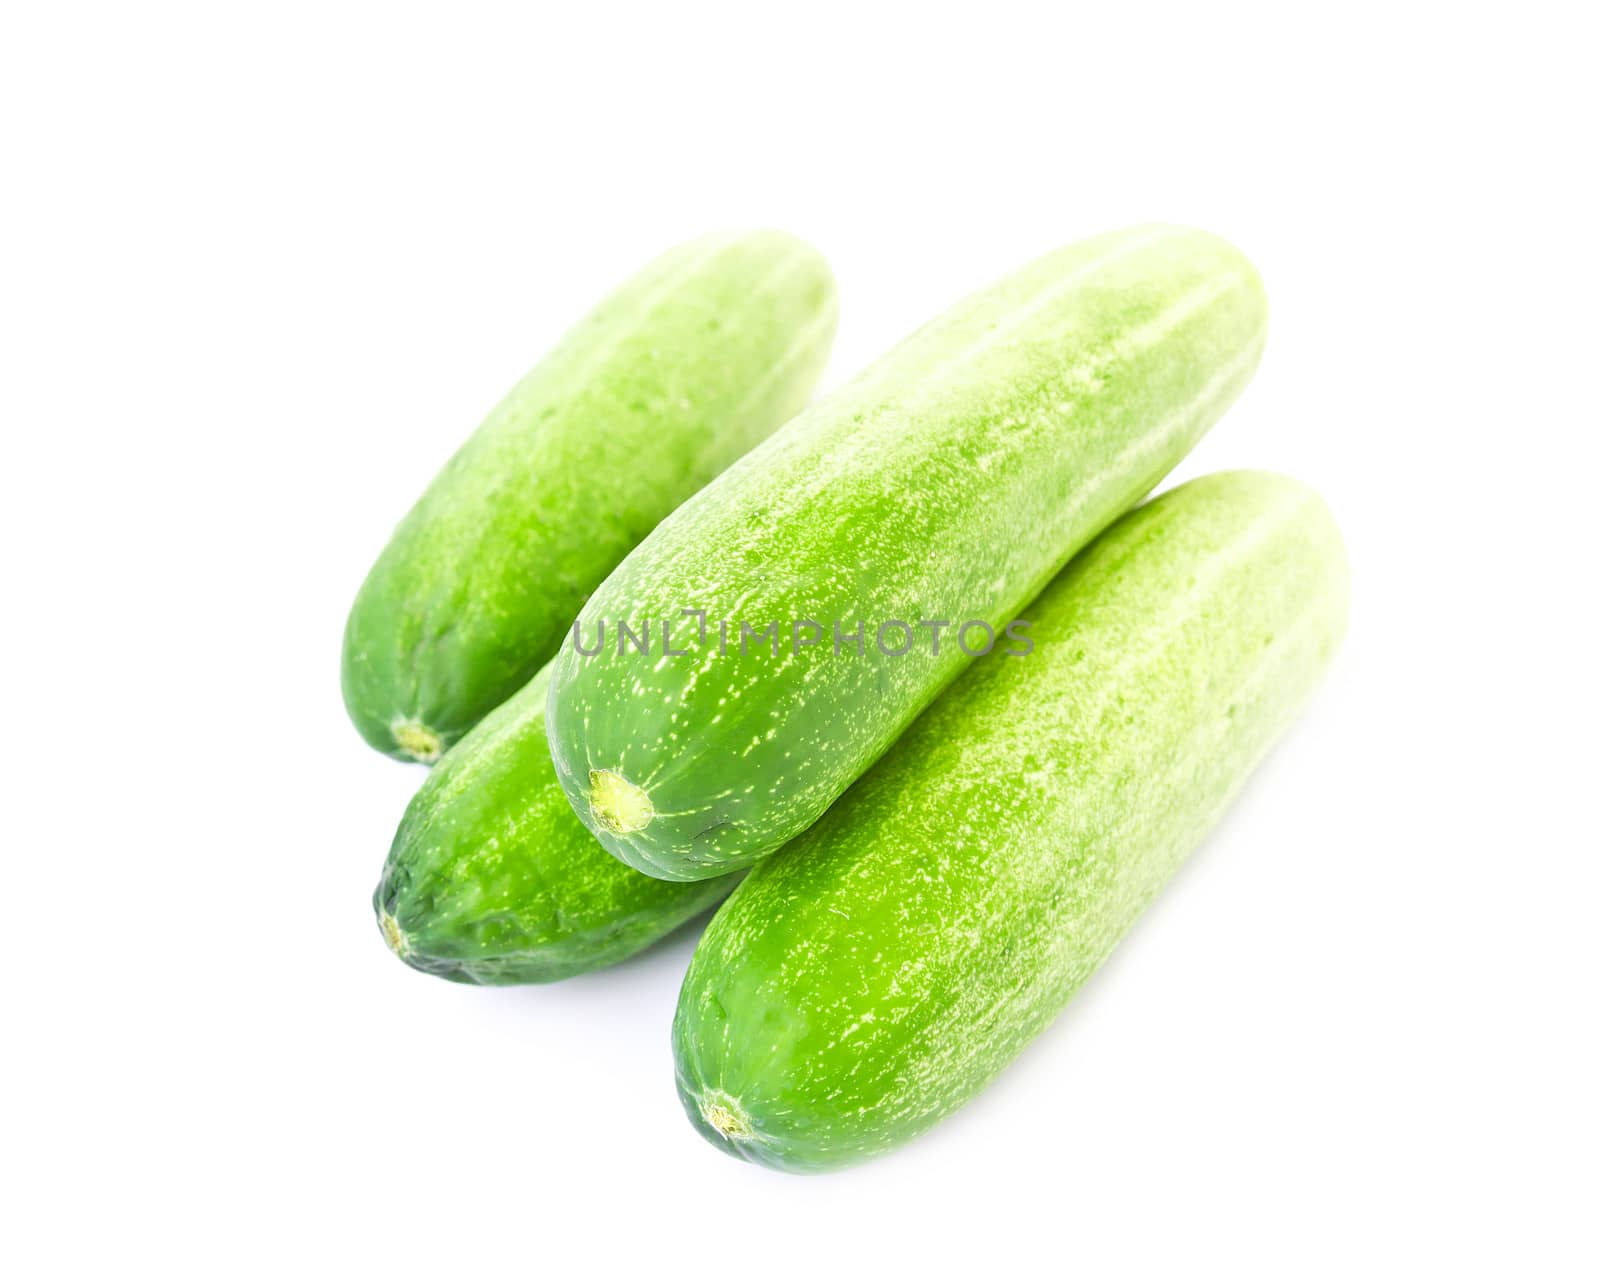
949,481
995,856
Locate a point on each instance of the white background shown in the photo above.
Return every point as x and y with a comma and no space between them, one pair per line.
264,266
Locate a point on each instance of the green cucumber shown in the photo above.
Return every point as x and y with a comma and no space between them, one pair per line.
676,374
492,881
949,482
873,976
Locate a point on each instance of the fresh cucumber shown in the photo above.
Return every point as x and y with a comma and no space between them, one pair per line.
946,484
873,976
677,373
492,881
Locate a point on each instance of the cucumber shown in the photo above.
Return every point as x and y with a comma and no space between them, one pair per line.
680,371
492,881
877,973
947,483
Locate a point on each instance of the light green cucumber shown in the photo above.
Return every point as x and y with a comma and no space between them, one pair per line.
677,373
947,484
492,881
875,974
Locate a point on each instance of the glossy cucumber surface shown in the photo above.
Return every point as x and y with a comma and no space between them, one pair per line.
874,975
491,880
681,370
946,484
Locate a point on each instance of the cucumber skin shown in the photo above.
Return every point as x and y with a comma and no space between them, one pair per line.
681,370
492,881
874,975
951,480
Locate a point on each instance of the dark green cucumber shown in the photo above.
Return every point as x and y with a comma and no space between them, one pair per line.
874,975
680,371
492,881
947,483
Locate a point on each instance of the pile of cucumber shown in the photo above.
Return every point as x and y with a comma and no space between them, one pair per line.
914,676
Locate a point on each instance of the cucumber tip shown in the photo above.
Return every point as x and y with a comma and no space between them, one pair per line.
418,741
618,805
393,934
724,1114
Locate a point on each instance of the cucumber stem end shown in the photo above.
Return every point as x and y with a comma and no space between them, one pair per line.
617,804
393,935
724,1114
418,741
